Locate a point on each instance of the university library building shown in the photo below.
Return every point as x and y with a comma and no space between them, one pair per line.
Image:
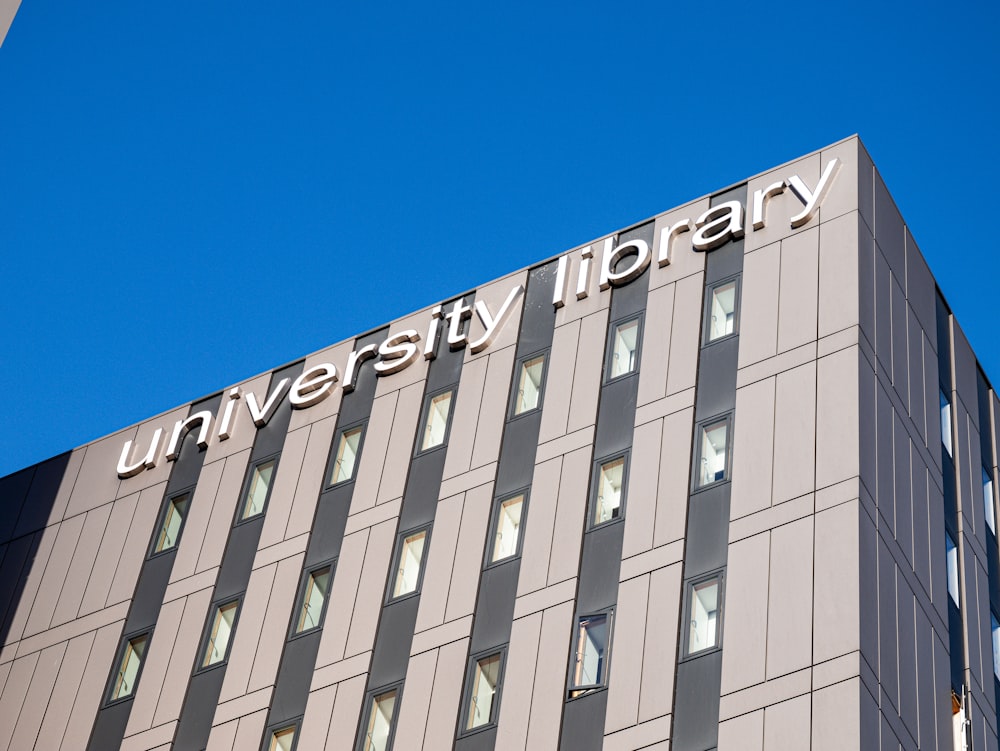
725,479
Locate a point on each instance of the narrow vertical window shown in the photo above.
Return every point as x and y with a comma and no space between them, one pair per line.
946,423
703,616
484,684
989,509
608,505
258,489
220,633
722,311
436,415
313,599
408,563
952,562
529,384
378,727
129,667
172,523
624,349
282,739
348,448
713,439
507,528
995,630
591,651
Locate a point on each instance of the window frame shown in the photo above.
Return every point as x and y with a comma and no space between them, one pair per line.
610,346
707,313
574,691
495,523
161,517
956,596
699,428
989,504
595,484
994,638
214,608
718,575
245,490
369,706
335,446
947,437
300,599
123,644
512,414
467,688
397,558
425,413
271,730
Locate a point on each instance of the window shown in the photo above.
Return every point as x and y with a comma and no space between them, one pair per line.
408,563
482,692
995,630
282,739
312,599
610,491
346,458
952,563
507,521
220,634
437,412
704,607
377,731
129,666
946,423
988,508
590,661
624,355
721,318
258,488
529,384
172,522
712,464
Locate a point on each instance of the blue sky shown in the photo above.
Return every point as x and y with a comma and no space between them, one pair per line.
194,193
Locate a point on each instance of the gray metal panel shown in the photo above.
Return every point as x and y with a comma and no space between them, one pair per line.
517,457
616,416
602,554
294,677
392,646
27,497
696,708
707,530
238,559
495,606
717,378
422,487
583,723
199,709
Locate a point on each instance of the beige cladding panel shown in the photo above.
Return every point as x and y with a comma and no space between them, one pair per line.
97,482
43,681
400,447
465,418
469,553
787,724
95,596
445,696
789,617
412,714
519,680
300,517
285,482
182,657
15,691
569,518
347,709
200,512
32,579
384,421
836,716
272,634
316,722
368,604
746,616
743,733
660,647
684,260
588,373
549,691
66,485
154,669
91,691
440,563
675,463
655,355
220,522
495,294
245,642
337,356
798,292
845,191
759,305
754,452
838,274
629,640
794,433
685,334
559,381
343,593
489,430
837,417
643,480
242,431
60,704
136,545
837,597
781,208
82,565
417,372
56,568
536,546
250,730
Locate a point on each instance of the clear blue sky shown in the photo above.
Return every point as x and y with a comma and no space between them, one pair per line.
193,193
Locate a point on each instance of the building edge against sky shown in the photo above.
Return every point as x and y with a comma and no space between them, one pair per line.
723,479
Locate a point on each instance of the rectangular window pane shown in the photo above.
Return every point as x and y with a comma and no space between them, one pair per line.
952,553
173,521
995,628
946,423
508,528
347,455
313,599
529,385
625,344
410,556
485,678
723,311
380,721
609,490
988,508
712,465
703,630
282,740
260,482
591,649
437,421
218,637
128,667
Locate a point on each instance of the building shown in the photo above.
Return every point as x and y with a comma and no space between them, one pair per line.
724,479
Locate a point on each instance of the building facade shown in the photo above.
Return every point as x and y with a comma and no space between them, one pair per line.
721,480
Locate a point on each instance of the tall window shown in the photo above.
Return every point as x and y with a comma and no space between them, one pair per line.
591,653
608,504
312,599
258,488
946,423
436,415
484,684
172,522
624,354
713,438
995,630
989,509
507,528
529,384
346,458
704,601
722,311
379,725
951,551
409,562
129,667
282,739
220,633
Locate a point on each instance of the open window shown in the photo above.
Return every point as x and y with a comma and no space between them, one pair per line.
591,648
703,629
712,452
608,502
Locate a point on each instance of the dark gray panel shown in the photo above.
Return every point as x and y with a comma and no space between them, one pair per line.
707,531
717,378
271,437
357,404
696,708
727,260
616,416
517,457
109,729
329,524
602,555
630,298
538,314
17,560
484,740
495,607
583,722
149,591
295,675
944,343
889,229
392,648
199,709
422,487
13,491
40,498
446,369
956,647
234,575
950,495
